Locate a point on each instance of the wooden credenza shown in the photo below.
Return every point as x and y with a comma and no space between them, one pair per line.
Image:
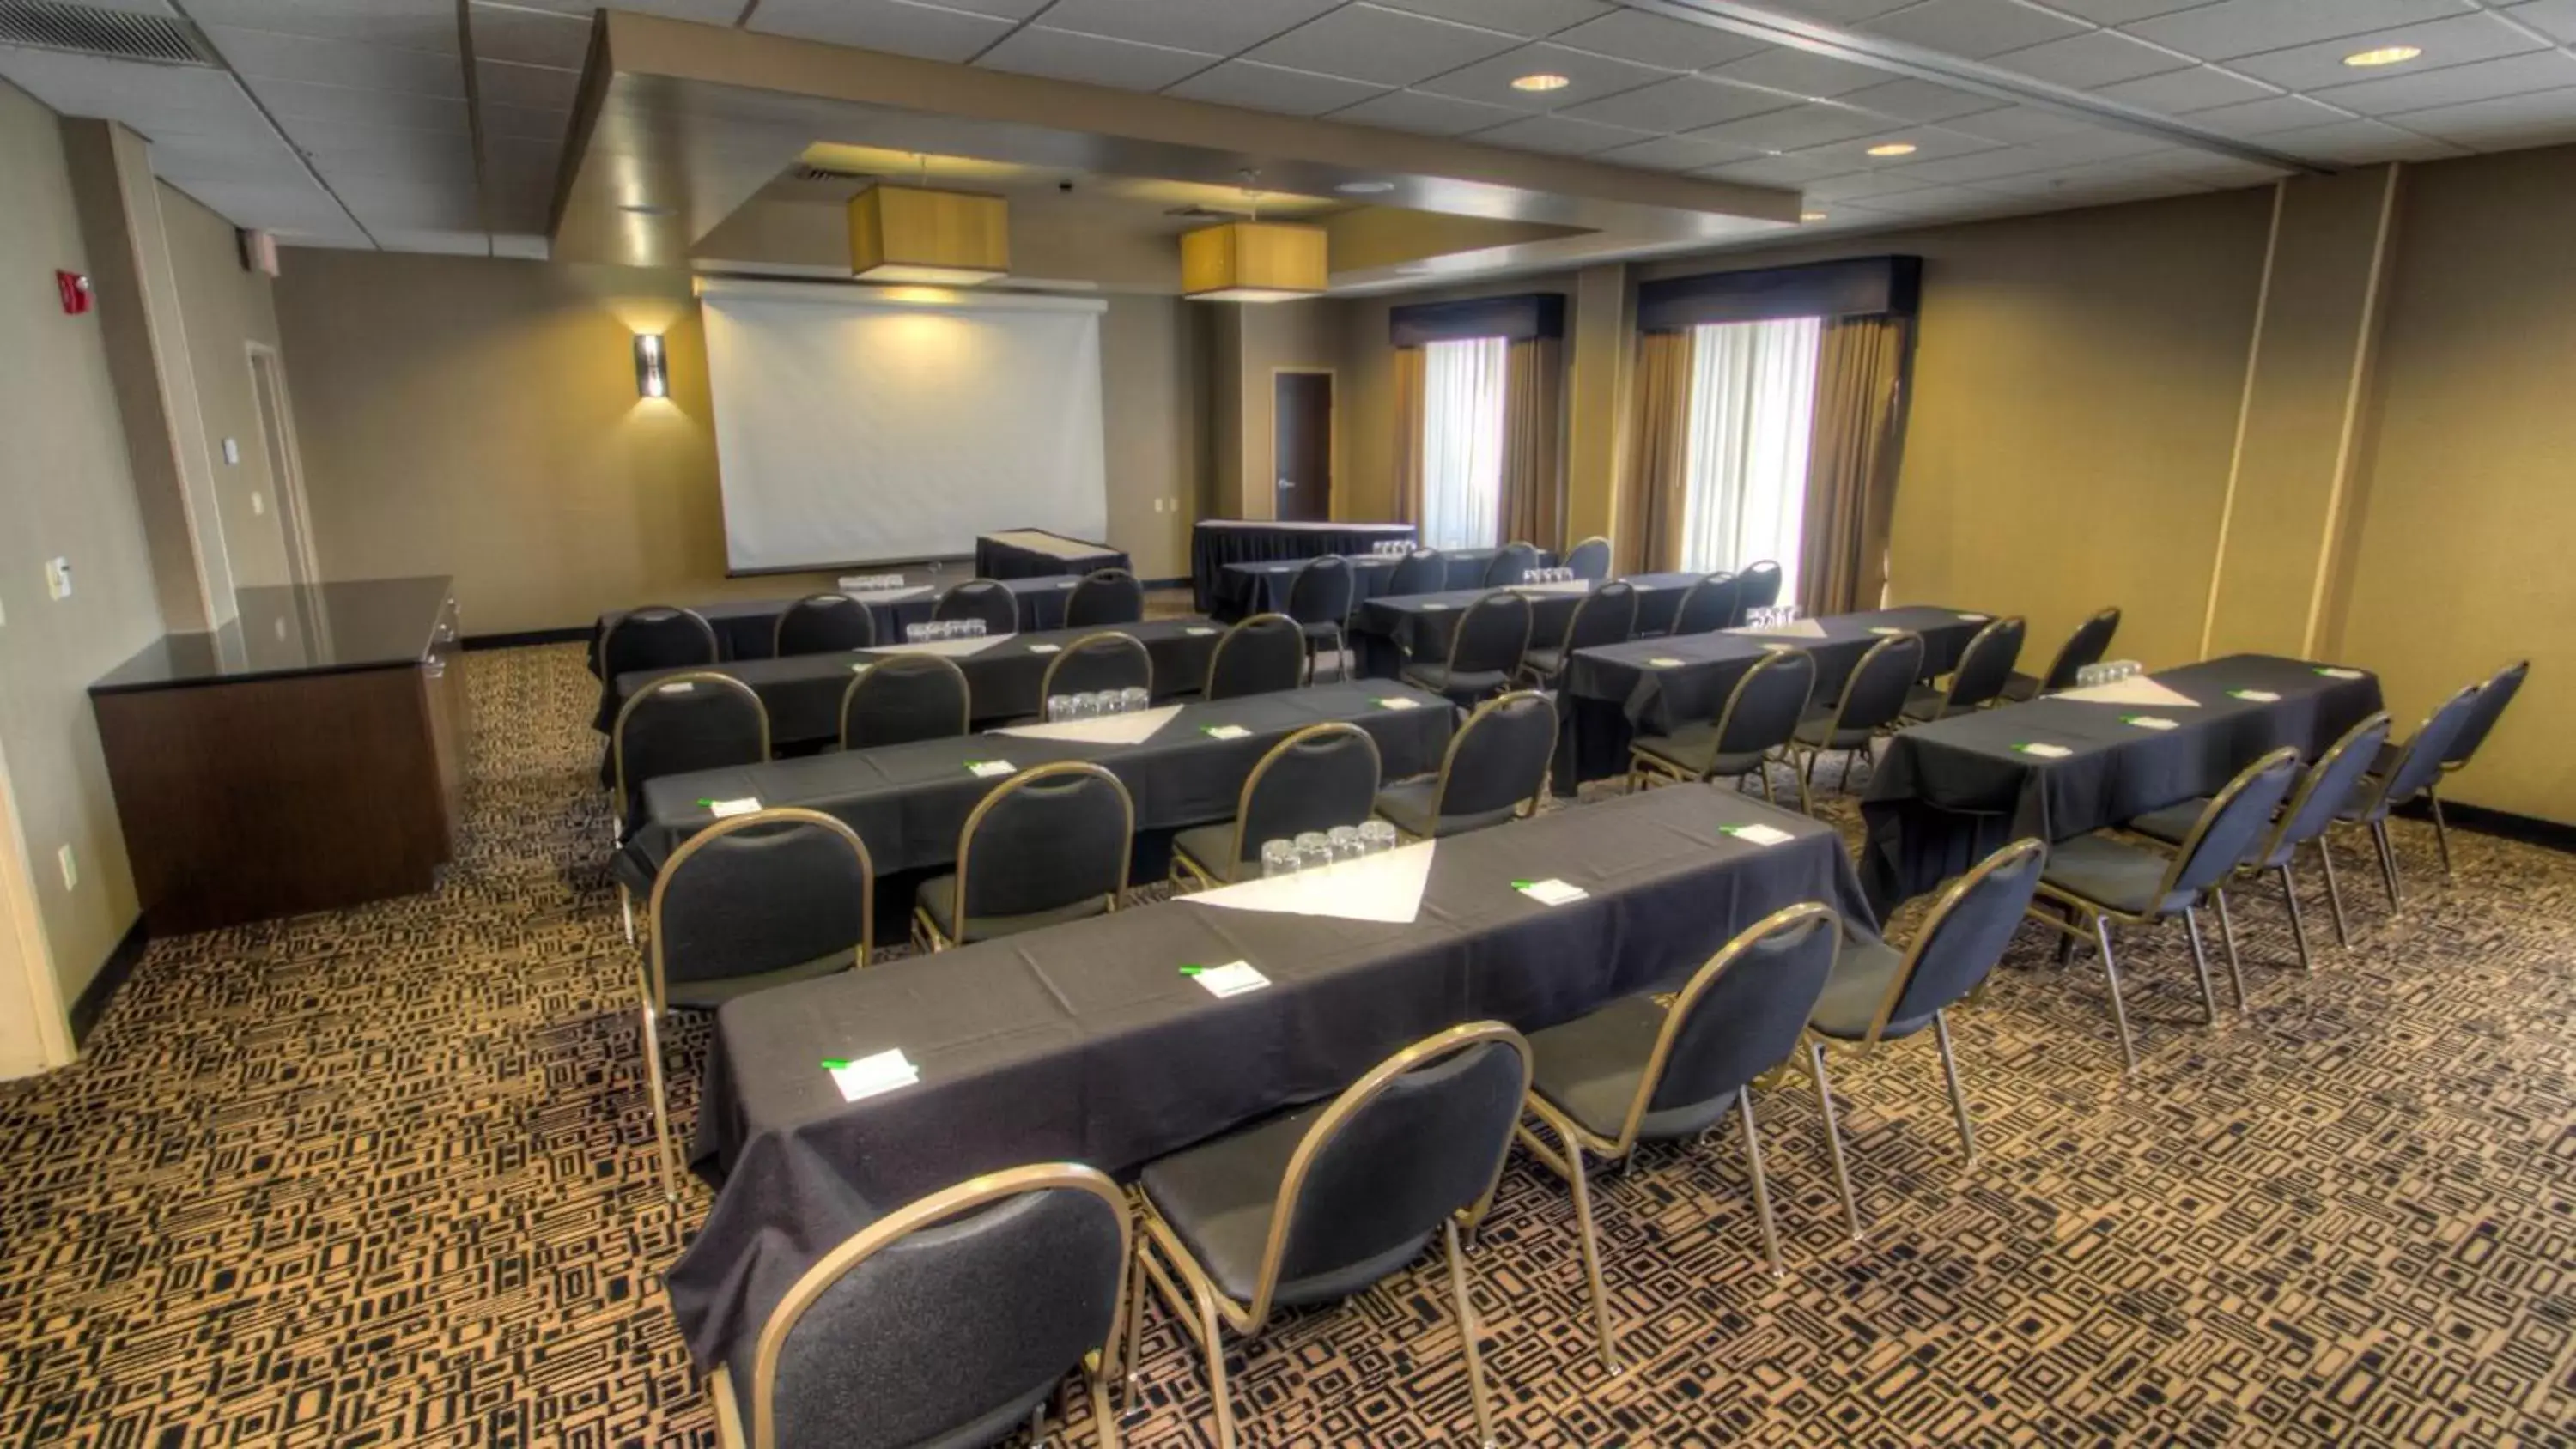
309,755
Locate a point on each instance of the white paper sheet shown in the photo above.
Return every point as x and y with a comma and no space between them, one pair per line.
2044,750
1551,891
2254,696
2148,722
871,1075
1225,732
953,648
1565,586
1108,729
1384,887
2140,690
1794,629
990,769
1231,979
1759,834
727,809
890,596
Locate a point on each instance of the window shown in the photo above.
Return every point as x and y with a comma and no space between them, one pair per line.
1462,442
1753,400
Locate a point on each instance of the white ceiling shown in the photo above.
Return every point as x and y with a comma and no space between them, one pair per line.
353,122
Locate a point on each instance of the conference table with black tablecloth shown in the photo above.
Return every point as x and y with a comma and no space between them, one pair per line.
748,628
1387,631
1004,677
908,802
1025,553
1216,542
1088,1043
1948,793
1612,693
1246,589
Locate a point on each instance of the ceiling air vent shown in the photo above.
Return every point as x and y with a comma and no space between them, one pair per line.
114,34
826,173
1196,212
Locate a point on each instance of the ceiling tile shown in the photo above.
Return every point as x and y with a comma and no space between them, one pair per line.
452,170
267,55
1520,17
1655,40
414,24
2261,118
1973,28
1372,43
1684,103
388,151
1919,100
380,201
522,165
2502,122
499,83
531,37
1594,77
1775,170
2361,143
1799,73
1862,185
1839,12
525,124
1187,24
1677,153
187,160
531,248
1092,59
930,32
1813,124
462,241
2020,125
2553,18
2231,28
313,106
2445,43
276,204
2121,12
2095,58
2095,143
1930,143
1562,135
2456,85
1975,166
2179,92
705,12
1272,88
1429,114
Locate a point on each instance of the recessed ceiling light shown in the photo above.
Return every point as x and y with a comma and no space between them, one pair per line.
1364,188
1893,148
1811,216
2385,55
1543,81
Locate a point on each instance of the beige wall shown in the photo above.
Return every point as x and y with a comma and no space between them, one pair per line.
225,306
1266,338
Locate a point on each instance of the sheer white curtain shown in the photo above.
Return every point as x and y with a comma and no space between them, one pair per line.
1462,442
1753,400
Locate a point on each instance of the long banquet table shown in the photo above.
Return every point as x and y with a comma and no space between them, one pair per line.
1088,1043
1387,630
1948,793
1216,542
1024,553
1246,589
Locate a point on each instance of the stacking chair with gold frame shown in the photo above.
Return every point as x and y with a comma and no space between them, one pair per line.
1321,595
1761,714
1356,1189
1873,694
822,624
1264,654
1658,1067
2493,696
1423,571
1985,667
2097,880
903,698
987,599
2083,648
1708,606
1106,660
1494,770
1510,564
1105,598
730,727
1064,860
1757,587
1322,776
2415,768
1486,648
657,636
1033,1237
1607,615
751,902
1590,559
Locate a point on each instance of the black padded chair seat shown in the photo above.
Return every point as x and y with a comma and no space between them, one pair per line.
1589,1068
1693,748
708,995
1544,659
1863,970
938,900
2123,877
1817,730
1207,846
1219,1197
1926,704
1408,806
1464,685
2022,688
2172,824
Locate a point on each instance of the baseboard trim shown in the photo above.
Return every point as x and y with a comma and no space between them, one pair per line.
1182,582
524,638
110,979
2504,824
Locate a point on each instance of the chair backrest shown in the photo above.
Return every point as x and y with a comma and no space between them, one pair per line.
695,721
2493,696
1707,606
1499,758
1322,776
1763,709
1493,633
1105,596
1758,587
951,1310
1510,564
757,893
1047,837
902,698
1109,660
1321,592
1986,666
823,624
2236,817
1607,615
1589,559
2419,762
2325,789
1418,1141
1964,935
1881,683
656,637
985,599
2083,649
1741,1014
1264,654
1423,571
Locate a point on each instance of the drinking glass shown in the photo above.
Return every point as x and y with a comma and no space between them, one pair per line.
1056,707
1346,843
1314,850
1278,857
1377,836
1134,698
912,633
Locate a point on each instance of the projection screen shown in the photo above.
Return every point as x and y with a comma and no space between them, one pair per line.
865,425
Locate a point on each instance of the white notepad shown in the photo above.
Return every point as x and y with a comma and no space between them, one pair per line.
725,809
1231,979
869,1076
2254,696
1225,732
1758,834
2147,722
989,769
2045,751
1551,891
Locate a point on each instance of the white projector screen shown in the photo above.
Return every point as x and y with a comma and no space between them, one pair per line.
854,426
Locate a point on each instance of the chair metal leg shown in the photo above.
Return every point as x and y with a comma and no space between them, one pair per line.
2441,828
2119,1013
2227,933
1131,1410
661,1110
1761,1188
2387,862
2298,922
2200,964
1764,771
1591,1245
1038,1425
2334,894
1833,1136
626,911
1950,1070
1806,797
1467,1334
1212,1336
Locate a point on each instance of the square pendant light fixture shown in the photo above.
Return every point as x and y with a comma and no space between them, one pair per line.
934,238
1253,261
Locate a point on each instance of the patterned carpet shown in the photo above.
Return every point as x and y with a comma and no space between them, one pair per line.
383,1177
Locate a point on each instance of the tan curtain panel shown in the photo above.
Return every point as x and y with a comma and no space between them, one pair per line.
1409,374
1851,464
1650,516
1533,485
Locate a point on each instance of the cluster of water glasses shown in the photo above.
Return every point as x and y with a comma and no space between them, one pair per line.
938,630
1062,707
1319,849
1398,547
1547,576
1771,616
2110,671
870,583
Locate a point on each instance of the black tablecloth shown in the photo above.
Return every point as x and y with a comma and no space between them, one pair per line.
1946,794
1388,630
1011,556
1216,542
803,691
1612,693
1086,1043
1246,589
909,801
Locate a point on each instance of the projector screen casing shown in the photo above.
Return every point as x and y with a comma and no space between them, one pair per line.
859,425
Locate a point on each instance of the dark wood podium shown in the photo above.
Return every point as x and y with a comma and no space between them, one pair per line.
308,755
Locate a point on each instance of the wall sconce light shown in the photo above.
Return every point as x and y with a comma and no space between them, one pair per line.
652,378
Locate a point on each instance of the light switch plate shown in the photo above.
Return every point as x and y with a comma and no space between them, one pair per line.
232,450
258,504
58,578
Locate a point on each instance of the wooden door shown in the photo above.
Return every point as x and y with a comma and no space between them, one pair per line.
1301,441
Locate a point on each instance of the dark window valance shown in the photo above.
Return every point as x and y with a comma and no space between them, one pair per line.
1517,319
1858,287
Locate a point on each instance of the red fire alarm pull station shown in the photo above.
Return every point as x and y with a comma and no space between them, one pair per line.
75,289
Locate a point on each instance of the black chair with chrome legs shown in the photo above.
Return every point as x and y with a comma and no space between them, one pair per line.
1985,666
903,698
1048,846
1510,564
1317,1204
751,902
2085,647
2415,768
1485,651
1105,596
1320,599
1761,715
944,1324
2096,880
1607,615
1494,770
1876,994
679,724
1423,571
1322,776
1657,1067
823,624
1265,654
1708,606
1097,662
984,599
1873,696
1758,587
1589,559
